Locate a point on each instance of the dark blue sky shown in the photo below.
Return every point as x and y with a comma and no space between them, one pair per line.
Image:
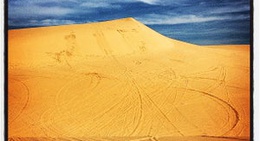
195,21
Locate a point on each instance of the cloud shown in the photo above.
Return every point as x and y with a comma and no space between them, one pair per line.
147,11
95,5
33,11
111,4
152,2
230,9
163,19
48,22
45,22
98,4
170,2
231,17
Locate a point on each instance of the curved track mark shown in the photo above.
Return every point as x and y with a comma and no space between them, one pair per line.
162,113
141,107
224,102
26,102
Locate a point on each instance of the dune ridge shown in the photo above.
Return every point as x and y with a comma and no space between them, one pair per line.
120,78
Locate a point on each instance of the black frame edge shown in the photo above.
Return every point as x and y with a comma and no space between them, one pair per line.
5,2
252,70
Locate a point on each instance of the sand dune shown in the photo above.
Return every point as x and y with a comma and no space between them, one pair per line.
120,80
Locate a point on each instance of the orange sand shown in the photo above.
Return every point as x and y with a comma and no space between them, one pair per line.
121,79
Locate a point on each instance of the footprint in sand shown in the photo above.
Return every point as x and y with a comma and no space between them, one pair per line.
64,56
70,44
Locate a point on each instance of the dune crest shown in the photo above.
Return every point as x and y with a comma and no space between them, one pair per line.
121,79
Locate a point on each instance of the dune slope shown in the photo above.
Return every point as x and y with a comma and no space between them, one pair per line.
122,79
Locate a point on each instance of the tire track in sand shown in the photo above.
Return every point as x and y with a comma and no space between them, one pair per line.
215,98
158,109
26,88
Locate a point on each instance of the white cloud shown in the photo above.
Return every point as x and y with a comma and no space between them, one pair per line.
38,11
98,4
48,22
230,9
164,2
102,3
35,2
95,5
165,19
152,2
34,8
45,22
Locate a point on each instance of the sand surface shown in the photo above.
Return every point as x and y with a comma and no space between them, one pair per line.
120,80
